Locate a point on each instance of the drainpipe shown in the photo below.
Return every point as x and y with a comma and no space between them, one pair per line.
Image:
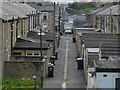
59,19
119,16
12,35
95,64
17,27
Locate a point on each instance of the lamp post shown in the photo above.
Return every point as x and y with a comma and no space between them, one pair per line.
34,78
54,30
41,57
41,85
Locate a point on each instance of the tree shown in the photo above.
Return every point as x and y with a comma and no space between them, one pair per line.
82,6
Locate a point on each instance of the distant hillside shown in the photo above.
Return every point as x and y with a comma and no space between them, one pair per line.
80,7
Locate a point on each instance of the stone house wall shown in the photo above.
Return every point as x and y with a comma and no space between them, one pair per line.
6,40
50,21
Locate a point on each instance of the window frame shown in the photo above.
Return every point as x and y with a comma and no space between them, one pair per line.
32,54
43,15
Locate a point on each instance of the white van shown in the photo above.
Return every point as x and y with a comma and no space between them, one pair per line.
68,31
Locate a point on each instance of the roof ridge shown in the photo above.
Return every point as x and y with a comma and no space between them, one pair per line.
27,39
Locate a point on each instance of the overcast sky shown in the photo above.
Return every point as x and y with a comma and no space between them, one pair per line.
81,0
66,0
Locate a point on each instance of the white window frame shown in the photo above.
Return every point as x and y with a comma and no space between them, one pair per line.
32,54
36,53
29,53
43,13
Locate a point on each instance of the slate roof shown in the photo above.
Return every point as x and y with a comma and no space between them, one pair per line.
15,10
111,10
26,43
111,48
88,24
79,23
95,43
101,35
107,10
47,37
101,9
42,6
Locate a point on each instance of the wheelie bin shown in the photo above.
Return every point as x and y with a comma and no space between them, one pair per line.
79,63
56,55
52,59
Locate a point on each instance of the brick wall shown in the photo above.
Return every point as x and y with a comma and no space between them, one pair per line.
22,68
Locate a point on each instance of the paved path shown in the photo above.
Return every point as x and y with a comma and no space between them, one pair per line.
66,74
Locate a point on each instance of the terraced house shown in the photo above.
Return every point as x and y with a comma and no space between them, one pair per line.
47,10
106,18
14,25
20,35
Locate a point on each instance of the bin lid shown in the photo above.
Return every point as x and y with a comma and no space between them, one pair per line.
79,59
52,57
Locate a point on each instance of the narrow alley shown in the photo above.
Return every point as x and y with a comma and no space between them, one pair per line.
66,74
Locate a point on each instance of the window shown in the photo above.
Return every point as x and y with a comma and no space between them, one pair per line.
32,54
45,26
36,54
45,16
29,54
104,75
117,84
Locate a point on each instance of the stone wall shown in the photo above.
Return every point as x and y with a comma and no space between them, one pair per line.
6,40
50,21
22,68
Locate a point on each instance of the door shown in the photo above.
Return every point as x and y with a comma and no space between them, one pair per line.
117,85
